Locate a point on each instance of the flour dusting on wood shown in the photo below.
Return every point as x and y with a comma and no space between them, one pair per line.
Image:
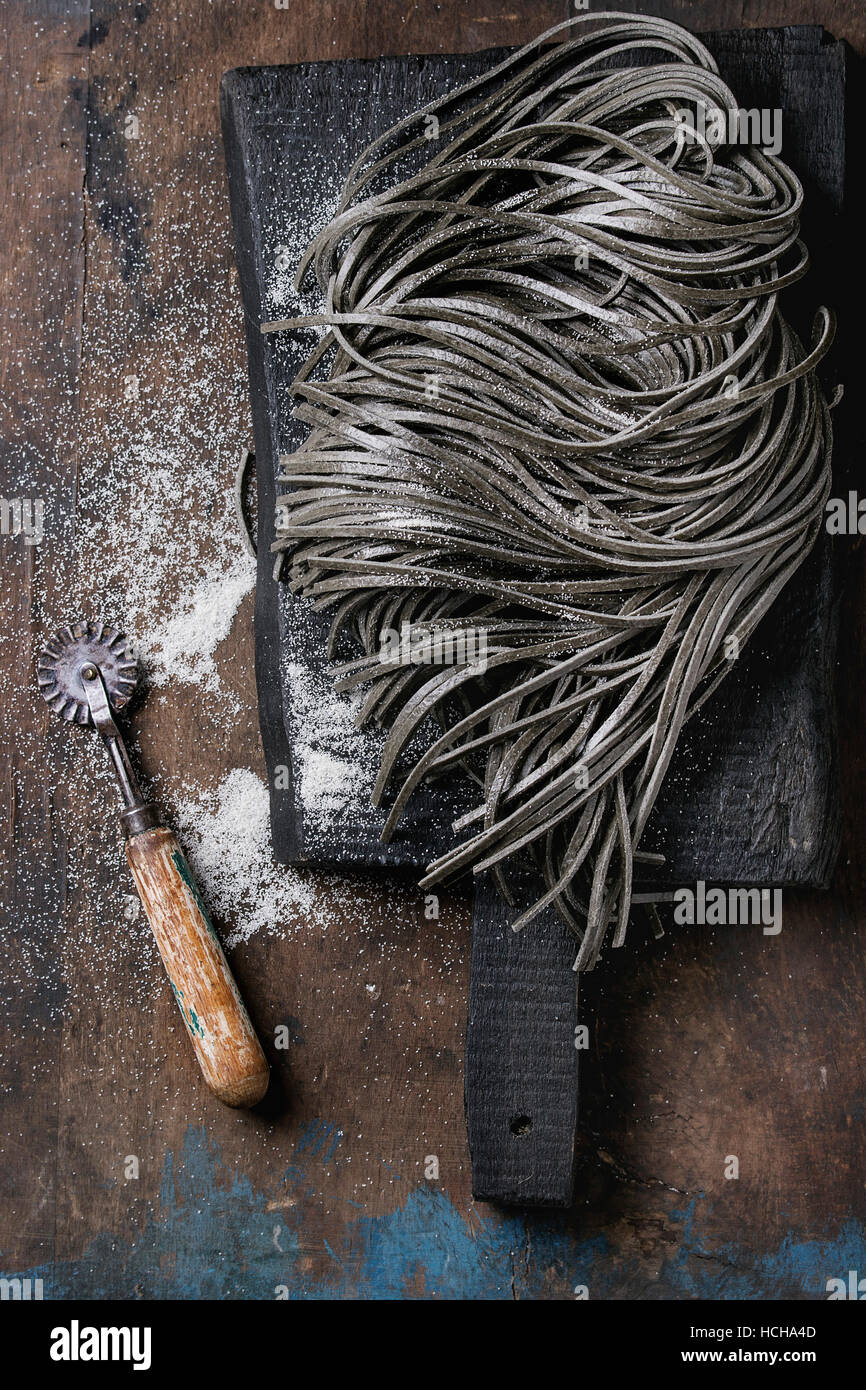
183,649
226,836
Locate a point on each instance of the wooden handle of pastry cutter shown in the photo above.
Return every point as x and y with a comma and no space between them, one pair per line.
225,1042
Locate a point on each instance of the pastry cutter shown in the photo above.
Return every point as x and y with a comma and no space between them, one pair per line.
88,673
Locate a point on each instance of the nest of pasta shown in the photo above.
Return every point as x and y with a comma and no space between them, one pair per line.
564,451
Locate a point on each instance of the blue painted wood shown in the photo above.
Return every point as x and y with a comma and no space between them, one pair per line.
215,1236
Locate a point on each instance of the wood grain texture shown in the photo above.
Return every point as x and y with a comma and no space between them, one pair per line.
225,1043
42,261
709,1043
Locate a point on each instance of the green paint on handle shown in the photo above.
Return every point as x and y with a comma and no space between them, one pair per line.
185,872
190,1017
195,1025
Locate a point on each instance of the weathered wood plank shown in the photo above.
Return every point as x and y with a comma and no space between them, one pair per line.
712,1043
160,291
42,262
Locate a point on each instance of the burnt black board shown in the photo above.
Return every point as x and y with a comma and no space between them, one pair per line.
752,796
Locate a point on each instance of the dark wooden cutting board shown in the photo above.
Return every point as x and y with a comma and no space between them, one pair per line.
752,795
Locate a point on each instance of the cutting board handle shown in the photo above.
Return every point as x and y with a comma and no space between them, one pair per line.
225,1043
521,1056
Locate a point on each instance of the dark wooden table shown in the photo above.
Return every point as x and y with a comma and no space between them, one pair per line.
121,345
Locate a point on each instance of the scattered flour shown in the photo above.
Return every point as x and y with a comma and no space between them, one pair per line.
157,539
226,835
291,240
335,762
183,649
327,783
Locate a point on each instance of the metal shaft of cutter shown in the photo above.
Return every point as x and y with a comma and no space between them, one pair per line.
138,814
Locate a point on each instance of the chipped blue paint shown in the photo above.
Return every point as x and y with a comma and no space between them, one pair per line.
795,1266
314,1136
212,1236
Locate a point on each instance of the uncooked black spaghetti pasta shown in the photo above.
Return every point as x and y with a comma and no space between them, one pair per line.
554,403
